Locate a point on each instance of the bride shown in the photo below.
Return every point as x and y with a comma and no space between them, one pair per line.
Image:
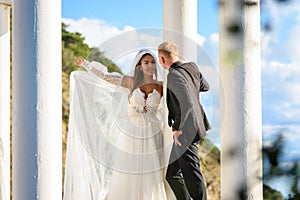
117,142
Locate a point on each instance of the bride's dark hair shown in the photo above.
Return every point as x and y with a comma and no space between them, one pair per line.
139,74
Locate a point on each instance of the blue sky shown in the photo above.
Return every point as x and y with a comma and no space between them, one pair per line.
139,14
100,20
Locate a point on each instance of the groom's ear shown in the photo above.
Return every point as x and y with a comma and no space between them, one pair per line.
163,61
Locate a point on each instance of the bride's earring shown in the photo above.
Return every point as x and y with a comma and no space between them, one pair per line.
154,77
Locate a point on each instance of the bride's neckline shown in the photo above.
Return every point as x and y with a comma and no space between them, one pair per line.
149,94
148,88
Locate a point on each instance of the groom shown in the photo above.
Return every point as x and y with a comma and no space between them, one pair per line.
188,122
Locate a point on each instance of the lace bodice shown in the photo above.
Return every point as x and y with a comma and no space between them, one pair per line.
139,104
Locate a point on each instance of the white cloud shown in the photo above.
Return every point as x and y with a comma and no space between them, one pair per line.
293,43
284,19
200,40
117,44
211,47
265,42
281,86
280,64
95,31
214,38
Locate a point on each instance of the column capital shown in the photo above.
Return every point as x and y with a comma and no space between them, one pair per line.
6,2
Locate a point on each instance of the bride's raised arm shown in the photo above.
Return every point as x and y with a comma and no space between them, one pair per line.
100,71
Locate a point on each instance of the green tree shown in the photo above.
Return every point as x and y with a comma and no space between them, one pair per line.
271,194
74,47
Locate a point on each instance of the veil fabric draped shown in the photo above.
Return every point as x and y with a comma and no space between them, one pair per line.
113,152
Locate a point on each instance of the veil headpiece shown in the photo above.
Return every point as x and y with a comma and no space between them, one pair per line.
140,54
138,57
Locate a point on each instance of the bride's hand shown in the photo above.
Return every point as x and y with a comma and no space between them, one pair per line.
79,62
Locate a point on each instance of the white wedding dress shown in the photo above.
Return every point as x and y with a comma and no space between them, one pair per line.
118,147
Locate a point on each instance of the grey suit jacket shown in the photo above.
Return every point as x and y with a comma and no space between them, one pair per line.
184,83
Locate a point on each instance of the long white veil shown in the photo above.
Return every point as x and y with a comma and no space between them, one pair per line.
98,125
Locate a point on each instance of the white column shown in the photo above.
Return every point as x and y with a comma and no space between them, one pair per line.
180,26
240,104
37,146
4,100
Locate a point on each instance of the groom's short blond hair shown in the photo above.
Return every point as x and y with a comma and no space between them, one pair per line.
169,49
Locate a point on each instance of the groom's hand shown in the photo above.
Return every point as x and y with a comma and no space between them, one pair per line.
176,135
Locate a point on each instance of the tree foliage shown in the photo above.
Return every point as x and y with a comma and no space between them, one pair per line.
74,47
274,171
271,194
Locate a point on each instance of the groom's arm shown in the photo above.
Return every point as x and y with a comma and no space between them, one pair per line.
204,86
178,87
